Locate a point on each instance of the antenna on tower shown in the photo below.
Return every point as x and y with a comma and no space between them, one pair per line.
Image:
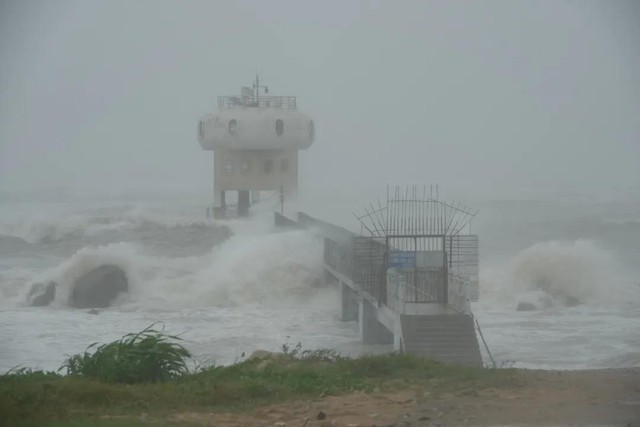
257,87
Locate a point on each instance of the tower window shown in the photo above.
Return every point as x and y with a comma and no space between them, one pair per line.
268,165
279,127
228,166
201,129
312,130
233,126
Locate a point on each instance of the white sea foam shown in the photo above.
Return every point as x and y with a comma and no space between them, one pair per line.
255,265
256,288
54,227
555,274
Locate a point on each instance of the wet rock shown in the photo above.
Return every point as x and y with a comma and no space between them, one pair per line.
526,306
99,287
571,301
264,354
12,245
321,415
40,294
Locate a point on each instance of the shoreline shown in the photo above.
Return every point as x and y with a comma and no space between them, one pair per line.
548,398
285,390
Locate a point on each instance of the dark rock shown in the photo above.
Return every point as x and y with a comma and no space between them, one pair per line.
321,415
40,294
11,245
526,306
571,301
264,354
99,287
93,311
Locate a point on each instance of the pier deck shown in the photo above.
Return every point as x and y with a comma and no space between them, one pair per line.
417,300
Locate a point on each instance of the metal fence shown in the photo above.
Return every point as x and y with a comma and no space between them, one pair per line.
464,254
283,102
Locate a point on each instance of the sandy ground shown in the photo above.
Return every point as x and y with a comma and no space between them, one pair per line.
546,398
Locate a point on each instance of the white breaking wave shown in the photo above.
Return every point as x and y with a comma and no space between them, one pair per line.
555,274
255,265
47,227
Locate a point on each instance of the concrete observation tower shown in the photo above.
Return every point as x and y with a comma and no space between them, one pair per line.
255,139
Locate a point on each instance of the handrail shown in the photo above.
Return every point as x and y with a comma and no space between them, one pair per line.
281,102
486,347
484,342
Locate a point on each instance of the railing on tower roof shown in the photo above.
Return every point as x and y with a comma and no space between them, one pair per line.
264,101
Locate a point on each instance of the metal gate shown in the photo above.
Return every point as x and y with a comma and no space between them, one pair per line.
421,260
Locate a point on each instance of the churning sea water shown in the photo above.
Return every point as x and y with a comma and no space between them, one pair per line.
228,288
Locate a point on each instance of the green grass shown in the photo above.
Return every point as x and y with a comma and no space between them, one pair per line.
82,399
91,423
148,356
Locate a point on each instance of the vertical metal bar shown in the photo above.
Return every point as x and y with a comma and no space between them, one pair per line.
376,220
443,213
414,229
404,211
373,222
395,212
387,230
422,216
446,276
415,267
384,214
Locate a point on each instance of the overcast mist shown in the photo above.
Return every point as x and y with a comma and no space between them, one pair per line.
429,183
486,97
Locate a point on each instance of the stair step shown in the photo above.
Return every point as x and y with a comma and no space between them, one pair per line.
448,338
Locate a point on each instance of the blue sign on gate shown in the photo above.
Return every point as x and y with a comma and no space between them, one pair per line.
402,259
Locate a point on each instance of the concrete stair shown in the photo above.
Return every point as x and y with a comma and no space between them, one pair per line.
449,338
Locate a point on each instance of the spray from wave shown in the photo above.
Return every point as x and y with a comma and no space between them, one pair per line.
254,265
557,274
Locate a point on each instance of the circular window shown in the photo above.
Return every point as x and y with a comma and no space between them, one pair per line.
312,130
279,127
233,126
268,166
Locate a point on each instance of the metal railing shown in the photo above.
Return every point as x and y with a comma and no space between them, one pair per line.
282,102
458,293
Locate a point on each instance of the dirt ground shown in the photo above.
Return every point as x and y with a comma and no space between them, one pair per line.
547,398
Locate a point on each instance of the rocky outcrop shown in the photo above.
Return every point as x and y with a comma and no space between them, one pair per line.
40,294
99,287
570,301
264,354
11,245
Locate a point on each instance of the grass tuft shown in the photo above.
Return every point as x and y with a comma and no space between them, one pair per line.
146,356
147,373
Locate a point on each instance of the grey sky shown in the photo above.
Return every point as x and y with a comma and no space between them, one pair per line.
486,95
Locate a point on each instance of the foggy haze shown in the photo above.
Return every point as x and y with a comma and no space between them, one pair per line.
483,97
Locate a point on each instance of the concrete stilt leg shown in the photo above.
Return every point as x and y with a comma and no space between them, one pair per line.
372,331
398,341
243,203
349,304
219,204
